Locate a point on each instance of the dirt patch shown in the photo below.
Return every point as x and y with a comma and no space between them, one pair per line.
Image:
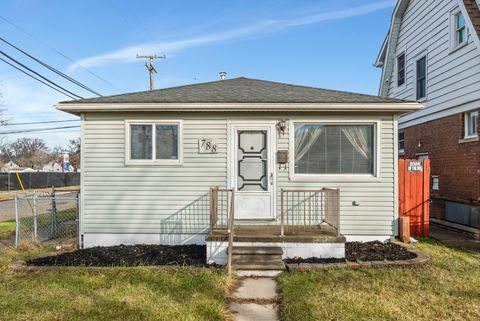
364,251
128,255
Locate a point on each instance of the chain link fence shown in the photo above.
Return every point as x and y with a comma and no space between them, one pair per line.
47,218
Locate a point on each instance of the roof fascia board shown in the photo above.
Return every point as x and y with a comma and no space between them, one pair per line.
375,107
381,55
387,64
470,25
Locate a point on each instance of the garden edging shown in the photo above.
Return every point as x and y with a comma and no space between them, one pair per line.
420,259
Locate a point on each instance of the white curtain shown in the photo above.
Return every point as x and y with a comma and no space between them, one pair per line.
358,137
305,137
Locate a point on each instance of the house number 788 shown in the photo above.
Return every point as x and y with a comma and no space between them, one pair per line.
207,146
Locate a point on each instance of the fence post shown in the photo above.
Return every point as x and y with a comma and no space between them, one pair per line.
54,211
17,222
35,223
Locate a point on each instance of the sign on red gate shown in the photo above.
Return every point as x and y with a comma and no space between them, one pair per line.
414,194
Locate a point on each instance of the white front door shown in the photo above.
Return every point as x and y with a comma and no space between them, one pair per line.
252,170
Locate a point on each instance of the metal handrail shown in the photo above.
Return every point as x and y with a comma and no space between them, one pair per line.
230,220
230,231
310,205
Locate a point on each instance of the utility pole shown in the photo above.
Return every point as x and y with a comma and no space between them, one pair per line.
150,67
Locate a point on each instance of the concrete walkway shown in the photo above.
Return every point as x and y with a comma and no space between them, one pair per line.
255,300
452,238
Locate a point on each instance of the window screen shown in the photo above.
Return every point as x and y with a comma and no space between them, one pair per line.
401,69
461,30
141,141
401,141
422,78
166,141
334,149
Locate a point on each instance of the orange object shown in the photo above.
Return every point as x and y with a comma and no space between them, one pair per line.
404,229
414,194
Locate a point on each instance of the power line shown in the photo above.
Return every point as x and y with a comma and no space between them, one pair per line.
43,122
58,72
58,52
39,75
43,82
35,130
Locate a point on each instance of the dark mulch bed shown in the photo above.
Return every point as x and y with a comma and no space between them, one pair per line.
364,251
128,255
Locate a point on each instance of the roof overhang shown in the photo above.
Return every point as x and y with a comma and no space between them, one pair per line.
399,108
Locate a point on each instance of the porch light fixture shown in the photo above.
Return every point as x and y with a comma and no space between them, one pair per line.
282,126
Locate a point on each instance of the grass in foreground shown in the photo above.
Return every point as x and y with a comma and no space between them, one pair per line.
446,289
110,293
7,229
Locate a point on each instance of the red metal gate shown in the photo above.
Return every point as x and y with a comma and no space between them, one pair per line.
414,194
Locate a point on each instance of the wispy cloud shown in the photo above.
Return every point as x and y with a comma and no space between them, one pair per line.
127,54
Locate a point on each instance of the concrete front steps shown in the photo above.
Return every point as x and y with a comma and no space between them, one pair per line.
257,260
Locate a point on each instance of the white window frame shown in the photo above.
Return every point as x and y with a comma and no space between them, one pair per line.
466,124
153,161
335,177
404,85
454,45
419,57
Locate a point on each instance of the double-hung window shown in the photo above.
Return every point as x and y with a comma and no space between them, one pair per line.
421,76
460,29
333,149
401,69
153,142
471,123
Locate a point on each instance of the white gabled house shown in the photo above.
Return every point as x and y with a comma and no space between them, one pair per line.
432,55
308,167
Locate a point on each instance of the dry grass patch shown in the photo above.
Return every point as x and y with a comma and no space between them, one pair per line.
446,289
110,293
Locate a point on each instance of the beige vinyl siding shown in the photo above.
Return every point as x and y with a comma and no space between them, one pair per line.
119,198
453,77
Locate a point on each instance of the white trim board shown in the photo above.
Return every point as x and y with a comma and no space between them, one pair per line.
408,121
400,107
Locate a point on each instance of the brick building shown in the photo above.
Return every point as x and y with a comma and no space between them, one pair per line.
432,55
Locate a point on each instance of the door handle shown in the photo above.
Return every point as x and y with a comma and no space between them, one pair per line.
271,178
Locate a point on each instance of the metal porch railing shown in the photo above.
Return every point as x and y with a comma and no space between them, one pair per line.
309,208
222,215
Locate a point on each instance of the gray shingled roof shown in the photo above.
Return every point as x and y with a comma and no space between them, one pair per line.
240,90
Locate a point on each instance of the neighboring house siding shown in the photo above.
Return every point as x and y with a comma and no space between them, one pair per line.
135,198
453,78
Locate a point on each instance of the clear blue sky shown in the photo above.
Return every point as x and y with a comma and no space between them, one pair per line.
328,44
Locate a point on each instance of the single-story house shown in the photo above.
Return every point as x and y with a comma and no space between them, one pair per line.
12,167
52,167
298,168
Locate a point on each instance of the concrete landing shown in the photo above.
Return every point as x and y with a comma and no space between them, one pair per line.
255,299
453,238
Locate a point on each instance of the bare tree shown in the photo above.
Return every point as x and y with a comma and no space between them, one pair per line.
27,152
74,152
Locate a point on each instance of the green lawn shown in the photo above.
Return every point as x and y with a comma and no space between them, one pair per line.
7,228
110,293
446,289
